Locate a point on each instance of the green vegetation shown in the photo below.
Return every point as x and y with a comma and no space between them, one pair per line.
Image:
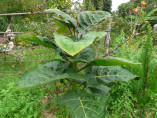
104,5
61,69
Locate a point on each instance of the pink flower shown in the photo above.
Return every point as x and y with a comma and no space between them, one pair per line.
11,43
8,30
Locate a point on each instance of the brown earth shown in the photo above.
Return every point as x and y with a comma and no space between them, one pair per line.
46,113
3,39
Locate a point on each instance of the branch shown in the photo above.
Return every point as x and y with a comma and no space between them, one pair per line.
116,48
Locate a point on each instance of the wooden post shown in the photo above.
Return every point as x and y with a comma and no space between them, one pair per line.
107,37
9,24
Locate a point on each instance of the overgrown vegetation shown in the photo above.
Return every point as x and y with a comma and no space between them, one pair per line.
70,76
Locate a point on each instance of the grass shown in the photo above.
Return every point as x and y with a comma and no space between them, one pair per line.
21,103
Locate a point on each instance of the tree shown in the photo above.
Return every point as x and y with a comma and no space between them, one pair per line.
124,8
104,5
107,4
63,5
10,6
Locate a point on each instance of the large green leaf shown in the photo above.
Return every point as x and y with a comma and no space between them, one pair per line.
37,39
100,89
61,27
44,73
74,75
48,72
111,61
151,18
84,105
86,55
66,18
74,46
94,85
110,74
88,19
98,76
151,13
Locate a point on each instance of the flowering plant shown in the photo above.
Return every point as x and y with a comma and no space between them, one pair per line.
6,47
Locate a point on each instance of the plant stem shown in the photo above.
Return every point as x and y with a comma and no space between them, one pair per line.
70,31
69,81
83,67
146,82
67,58
66,85
82,84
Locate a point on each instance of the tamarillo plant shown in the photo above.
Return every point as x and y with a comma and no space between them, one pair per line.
84,76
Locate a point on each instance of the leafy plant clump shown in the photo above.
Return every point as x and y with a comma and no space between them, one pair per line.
84,76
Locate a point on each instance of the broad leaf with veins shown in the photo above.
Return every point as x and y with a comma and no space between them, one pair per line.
74,46
83,104
111,74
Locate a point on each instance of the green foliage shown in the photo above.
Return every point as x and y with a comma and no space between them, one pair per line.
86,55
121,101
150,15
38,39
83,104
59,4
146,54
44,28
74,46
111,61
139,94
67,19
119,23
76,70
124,8
104,5
61,28
151,4
3,24
50,71
19,103
111,74
9,6
107,4
88,19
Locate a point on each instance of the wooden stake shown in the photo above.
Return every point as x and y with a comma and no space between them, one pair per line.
107,41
